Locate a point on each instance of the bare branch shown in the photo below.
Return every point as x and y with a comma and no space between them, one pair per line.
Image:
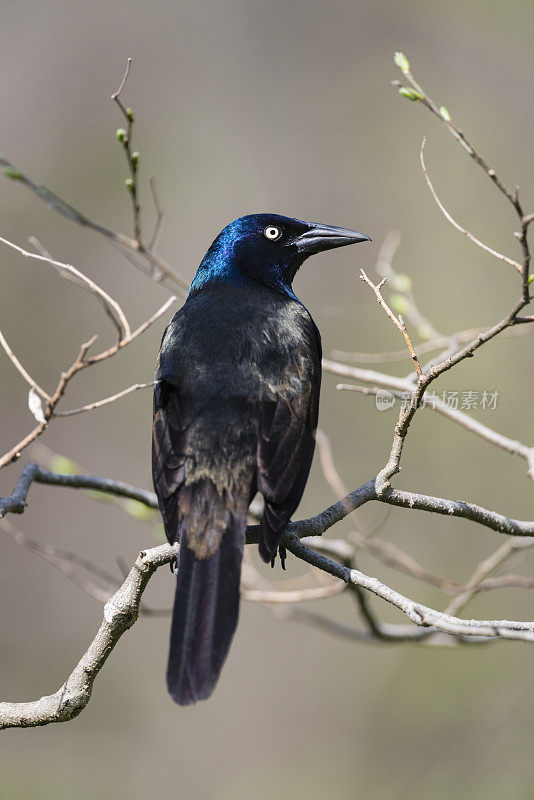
104,402
407,414
512,195
112,307
314,526
436,403
445,119
122,610
66,562
115,96
120,613
16,502
402,284
328,466
285,596
132,158
348,557
419,614
439,343
150,321
160,216
56,203
16,363
397,321
390,634
485,569
81,362
75,367
490,250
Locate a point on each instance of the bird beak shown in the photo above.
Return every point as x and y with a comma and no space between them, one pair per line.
326,237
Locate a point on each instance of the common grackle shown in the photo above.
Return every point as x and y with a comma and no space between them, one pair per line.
236,401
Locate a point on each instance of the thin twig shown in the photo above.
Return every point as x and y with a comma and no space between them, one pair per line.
439,343
328,466
104,402
120,613
132,157
490,250
115,311
56,203
150,321
397,321
402,285
122,610
66,562
484,569
403,388
160,216
460,137
290,596
390,634
419,614
115,95
81,362
348,558
16,363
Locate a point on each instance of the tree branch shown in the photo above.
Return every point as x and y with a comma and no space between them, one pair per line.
81,362
419,614
397,321
113,309
120,613
490,250
122,610
56,203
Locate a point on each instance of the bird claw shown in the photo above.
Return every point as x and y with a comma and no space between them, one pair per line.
282,552
173,564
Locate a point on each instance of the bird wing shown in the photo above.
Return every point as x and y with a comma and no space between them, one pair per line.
210,522
169,449
285,446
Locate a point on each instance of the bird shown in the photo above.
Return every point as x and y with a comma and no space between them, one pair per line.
236,402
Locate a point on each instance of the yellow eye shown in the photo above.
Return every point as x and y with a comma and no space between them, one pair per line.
271,232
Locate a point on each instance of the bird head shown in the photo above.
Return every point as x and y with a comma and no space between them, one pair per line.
267,249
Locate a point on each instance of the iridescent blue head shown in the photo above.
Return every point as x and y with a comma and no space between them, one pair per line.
267,249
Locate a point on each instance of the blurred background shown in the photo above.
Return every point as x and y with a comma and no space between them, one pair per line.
246,106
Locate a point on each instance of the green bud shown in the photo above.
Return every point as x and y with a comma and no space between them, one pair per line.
445,114
531,279
102,497
9,172
135,158
158,532
424,331
402,62
137,510
402,283
410,94
121,135
399,303
63,465
130,114
129,184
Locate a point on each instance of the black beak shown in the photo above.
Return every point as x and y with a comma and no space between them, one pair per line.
326,237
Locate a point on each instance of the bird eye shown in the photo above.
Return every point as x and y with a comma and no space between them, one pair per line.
270,232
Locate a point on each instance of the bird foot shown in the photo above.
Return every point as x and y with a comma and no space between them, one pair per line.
173,564
282,552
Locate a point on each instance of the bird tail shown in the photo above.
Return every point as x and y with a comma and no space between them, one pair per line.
206,609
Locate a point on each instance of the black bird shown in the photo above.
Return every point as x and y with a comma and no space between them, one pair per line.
235,411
